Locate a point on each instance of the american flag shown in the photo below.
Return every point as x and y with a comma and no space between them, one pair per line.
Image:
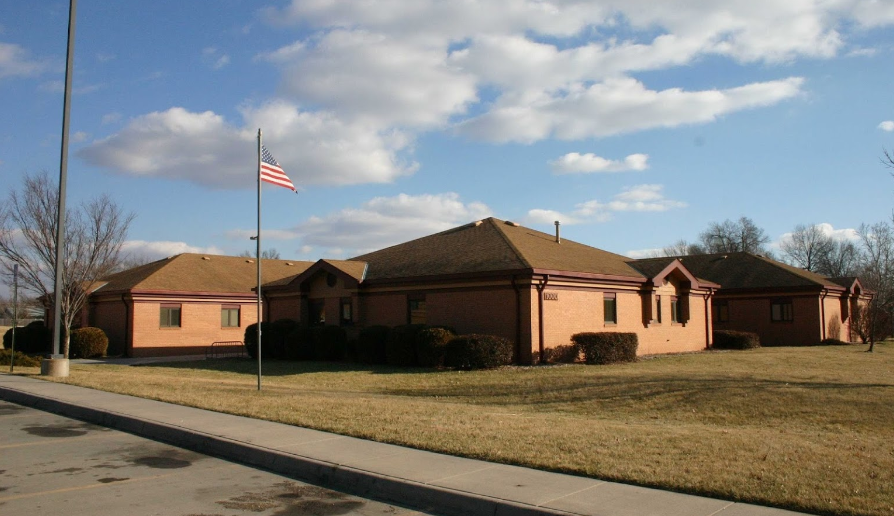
272,172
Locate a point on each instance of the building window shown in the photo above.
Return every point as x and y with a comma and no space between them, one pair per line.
416,309
676,310
658,309
347,312
170,316
610,308
229,316
781,310
318,312
720,311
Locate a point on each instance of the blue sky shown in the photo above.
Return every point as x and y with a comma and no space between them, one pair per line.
635,123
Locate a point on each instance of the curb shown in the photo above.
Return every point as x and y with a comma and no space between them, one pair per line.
366,484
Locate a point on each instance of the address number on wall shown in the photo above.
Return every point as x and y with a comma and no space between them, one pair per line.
550,296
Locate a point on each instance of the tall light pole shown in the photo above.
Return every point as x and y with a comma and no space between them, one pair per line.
15,313
56,364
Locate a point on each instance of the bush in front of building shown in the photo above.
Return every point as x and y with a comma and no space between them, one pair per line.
833,342
609,347
371,344
729,339
88,342
476,351
431,346
21,359
35,338
566,354
330,343
400,348
273,338
299,343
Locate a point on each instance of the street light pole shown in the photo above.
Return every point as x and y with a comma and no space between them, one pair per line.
56,364
15,313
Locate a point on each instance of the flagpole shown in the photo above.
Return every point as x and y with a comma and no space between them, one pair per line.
258,257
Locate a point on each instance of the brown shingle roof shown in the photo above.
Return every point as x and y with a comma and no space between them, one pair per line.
745,271
202,273
491,245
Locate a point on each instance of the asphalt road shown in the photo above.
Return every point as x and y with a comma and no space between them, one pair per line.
51,465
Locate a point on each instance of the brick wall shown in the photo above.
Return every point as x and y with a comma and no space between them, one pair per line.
200,325
566,312
753,314
112,317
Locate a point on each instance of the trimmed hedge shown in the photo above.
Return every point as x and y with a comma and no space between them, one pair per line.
35,338
22,360
729,339
299,344
607,347
273,337
478,352
88,342
431,346
372,343
833,342
330,343
400,348
567,354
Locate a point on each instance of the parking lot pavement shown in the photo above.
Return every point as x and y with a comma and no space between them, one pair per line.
51,465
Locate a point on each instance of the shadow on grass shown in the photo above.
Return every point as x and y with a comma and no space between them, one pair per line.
288,367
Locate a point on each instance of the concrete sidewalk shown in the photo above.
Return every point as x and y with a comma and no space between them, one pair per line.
432,482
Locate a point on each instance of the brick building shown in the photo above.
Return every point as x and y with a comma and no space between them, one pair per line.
783,304
497,277
180,305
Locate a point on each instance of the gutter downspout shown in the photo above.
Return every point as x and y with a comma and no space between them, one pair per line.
517,319
540,286
127,337
823,295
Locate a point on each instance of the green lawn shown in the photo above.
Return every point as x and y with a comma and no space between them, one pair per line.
809,429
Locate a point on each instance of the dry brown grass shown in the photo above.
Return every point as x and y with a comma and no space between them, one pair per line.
810,429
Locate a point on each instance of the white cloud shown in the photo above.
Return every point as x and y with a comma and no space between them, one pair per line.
111,118
313,148
639,198
575,163
386,221
105,57
539,216
887,125
162,249
616,106
376,78
80,136
15,62
213,58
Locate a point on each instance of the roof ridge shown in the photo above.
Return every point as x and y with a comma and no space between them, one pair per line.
791,269
518,254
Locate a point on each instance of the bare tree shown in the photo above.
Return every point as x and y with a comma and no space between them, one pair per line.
842,259
682,248
888,159
734,236
877,274
94,233
267,254
807,247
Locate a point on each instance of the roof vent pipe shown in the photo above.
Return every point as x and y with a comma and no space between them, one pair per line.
558,236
